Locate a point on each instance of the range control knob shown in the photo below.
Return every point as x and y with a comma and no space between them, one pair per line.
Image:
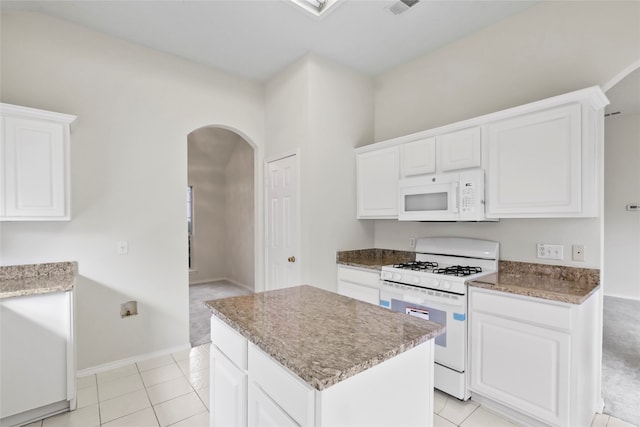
397,277
415,280
386,275
446,285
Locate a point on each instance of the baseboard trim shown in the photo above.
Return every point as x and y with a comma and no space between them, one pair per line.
129,360
242,285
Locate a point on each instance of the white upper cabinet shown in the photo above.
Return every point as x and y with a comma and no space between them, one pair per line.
460,150
541,165
34,155
442,153
377,174
418,157
541,160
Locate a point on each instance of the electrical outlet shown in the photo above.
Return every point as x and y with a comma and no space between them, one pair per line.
578,252
412,242
547,251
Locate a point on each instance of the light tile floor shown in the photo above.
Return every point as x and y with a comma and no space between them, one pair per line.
173,390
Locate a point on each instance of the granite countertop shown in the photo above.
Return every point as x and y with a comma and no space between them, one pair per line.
321,336
558,283
373,259
34,279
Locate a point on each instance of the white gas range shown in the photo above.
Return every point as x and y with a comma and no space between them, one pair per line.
434,287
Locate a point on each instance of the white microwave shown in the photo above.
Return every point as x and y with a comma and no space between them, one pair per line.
457,196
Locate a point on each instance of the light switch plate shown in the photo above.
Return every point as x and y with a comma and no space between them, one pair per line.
122,247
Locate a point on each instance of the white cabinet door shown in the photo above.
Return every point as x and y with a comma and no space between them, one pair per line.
418,157
36,356
460,150
535,164
264,412
377,174
34,155
228,392
523,366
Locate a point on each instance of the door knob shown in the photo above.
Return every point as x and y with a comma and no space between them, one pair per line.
291,259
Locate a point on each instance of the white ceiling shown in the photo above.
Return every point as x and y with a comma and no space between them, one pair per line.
257,38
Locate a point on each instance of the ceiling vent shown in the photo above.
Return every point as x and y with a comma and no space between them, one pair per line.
402,6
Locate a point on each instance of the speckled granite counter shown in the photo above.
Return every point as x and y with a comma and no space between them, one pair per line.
373,258
559,283
321,336
33,279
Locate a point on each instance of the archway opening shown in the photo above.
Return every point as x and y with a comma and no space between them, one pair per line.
220,198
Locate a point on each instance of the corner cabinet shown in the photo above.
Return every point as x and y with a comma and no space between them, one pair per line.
34,155
534,357
377,175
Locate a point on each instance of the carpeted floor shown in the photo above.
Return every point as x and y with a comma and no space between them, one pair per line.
199,314
621,359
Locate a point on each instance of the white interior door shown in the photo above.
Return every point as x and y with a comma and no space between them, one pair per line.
283,224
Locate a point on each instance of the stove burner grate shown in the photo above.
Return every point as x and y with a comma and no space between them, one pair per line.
417,265
458,270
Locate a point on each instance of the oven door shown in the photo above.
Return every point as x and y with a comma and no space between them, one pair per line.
445,308
428,199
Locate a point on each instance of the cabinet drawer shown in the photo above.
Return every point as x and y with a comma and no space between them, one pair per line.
361,277
230,342
293,395
526,309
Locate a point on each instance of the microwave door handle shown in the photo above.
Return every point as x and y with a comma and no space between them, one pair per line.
454,196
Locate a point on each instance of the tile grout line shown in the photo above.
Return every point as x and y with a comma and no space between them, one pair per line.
146,390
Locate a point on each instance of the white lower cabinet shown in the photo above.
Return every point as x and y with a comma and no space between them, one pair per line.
228,376
528,355
37,357
359,284
264,412
229,385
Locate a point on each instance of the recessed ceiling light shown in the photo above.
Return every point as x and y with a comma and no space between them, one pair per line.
317,7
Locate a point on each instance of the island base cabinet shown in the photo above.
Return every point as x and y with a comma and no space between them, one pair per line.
395,392
264,412
228,392
534,359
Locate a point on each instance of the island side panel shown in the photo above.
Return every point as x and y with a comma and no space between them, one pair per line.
398,391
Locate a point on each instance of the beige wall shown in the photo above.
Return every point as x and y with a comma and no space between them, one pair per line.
622,186
324,111
549,49
239,207
135,108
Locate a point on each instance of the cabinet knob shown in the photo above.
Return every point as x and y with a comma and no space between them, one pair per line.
291,259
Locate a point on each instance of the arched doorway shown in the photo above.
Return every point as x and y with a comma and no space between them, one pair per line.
221,220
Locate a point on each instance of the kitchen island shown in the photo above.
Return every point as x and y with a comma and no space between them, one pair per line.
305,356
